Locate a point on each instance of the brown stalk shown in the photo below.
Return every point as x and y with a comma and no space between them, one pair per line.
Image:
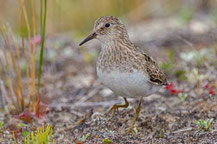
25,59
34,34
19,76
17,89
7,77
30,53
5,98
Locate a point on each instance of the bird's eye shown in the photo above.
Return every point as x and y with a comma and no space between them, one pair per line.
107,25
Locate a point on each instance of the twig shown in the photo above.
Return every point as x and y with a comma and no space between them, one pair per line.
185,41
76,113
183,130
90,94
95,104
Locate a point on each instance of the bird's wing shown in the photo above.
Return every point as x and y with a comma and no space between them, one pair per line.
156,76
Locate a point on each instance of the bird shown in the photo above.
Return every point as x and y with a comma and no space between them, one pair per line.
122,66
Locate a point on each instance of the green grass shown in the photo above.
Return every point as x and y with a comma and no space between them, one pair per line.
1,125
41,136
43,17
204,125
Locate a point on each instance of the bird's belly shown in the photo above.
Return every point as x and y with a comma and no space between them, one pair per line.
127,84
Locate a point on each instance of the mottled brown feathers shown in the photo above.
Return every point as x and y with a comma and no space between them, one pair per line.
126,58
119,53
155,74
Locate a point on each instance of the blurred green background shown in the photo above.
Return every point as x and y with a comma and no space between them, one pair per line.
78,16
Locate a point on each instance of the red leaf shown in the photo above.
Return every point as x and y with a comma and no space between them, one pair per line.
211,92
78,142
210,89
206,86
25,116
168,87
172,90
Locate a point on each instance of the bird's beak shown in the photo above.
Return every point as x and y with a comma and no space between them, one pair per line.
90,37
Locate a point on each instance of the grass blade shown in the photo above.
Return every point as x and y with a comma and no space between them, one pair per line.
30,52
43,27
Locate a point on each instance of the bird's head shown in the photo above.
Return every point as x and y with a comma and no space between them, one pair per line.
107,28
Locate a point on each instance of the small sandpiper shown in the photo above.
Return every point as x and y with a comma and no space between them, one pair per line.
123,67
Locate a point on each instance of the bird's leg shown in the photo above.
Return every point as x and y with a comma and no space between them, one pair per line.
136,116
116,106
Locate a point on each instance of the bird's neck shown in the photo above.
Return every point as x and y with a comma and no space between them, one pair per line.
114,50
115,44
115,55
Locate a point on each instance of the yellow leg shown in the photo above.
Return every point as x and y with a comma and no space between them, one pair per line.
116,106
136,116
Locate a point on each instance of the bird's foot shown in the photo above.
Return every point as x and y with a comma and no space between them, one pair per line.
130,130
115,107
